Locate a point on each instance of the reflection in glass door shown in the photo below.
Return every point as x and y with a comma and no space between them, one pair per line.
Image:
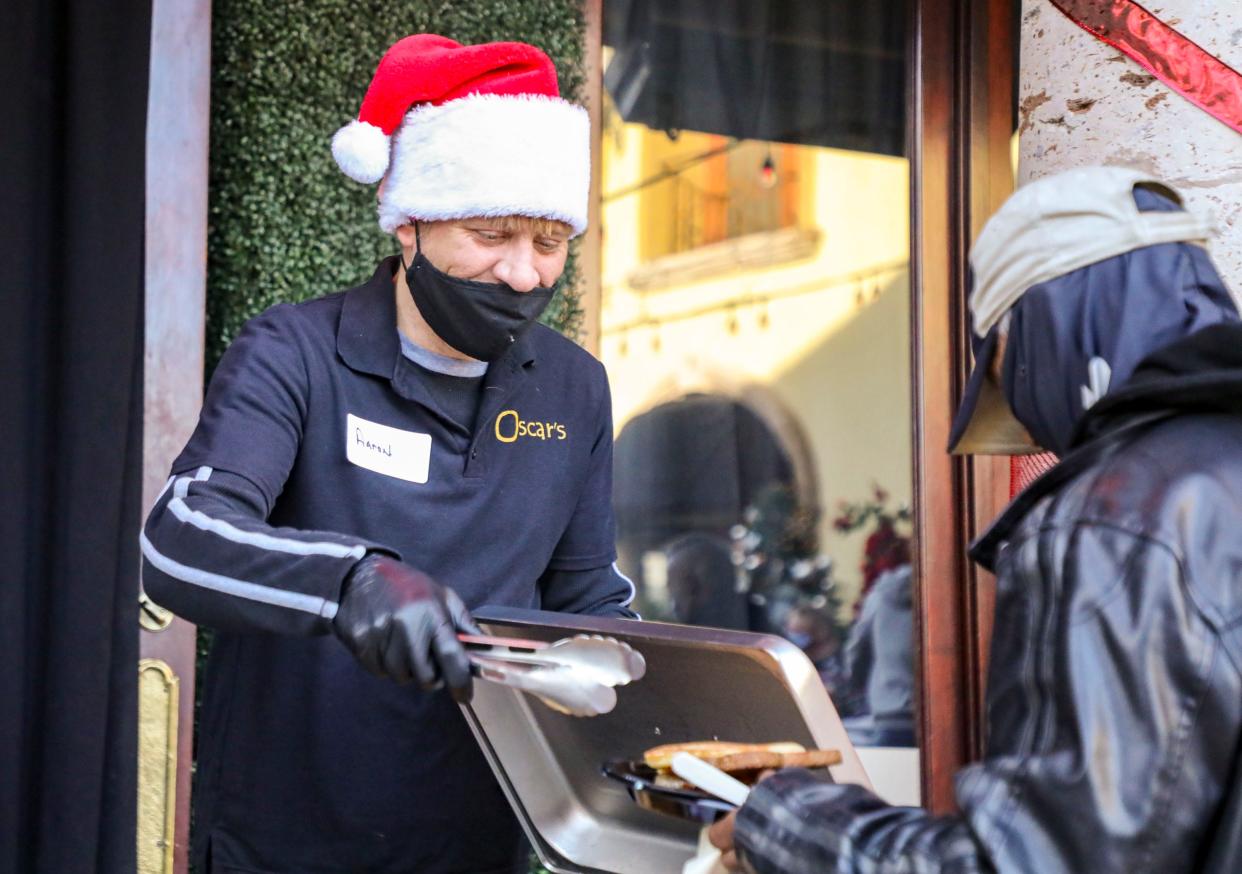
755,326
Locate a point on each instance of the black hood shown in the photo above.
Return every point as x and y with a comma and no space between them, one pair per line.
1075,339
1200,373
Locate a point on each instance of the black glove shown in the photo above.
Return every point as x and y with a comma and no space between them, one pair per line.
402,624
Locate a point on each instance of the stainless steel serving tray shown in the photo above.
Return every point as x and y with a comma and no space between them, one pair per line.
701,683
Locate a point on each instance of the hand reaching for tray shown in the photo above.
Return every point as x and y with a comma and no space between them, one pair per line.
721,835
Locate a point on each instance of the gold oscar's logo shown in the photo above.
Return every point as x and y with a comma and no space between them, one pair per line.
510,427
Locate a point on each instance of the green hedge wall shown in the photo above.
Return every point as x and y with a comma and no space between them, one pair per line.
285,223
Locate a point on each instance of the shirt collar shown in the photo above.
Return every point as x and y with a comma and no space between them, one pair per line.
367,337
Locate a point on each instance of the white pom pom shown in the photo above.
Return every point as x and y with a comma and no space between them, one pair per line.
361,150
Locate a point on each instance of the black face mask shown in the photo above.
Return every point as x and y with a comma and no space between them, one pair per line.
479,319
1075,338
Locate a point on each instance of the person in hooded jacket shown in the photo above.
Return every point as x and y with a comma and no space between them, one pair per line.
880,662
370,464
1114,701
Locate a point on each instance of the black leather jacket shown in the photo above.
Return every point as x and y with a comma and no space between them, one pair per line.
1115,688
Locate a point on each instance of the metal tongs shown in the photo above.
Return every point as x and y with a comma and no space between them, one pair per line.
575,675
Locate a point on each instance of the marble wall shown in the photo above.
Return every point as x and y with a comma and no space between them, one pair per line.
1082,102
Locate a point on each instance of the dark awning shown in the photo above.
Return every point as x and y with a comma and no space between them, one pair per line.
829,73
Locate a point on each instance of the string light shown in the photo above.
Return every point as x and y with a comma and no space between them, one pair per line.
861,285
767,171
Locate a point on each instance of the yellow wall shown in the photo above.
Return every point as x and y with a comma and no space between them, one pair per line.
835,355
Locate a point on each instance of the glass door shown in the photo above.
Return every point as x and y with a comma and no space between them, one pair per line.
755,319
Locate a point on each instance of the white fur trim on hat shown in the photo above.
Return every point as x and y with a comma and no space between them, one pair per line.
490,155
361,150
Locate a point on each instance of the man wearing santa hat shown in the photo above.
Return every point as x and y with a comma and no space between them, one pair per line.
369,465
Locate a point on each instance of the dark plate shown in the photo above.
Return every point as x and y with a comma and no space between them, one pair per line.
689,804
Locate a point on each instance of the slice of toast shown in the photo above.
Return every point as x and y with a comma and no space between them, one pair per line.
744,761
747,766
712,751
762,760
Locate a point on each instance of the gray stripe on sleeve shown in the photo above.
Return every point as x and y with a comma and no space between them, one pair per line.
182,488
203,522
239,588
178,507
633,589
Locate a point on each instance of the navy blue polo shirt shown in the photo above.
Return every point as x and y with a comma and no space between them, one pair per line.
306,762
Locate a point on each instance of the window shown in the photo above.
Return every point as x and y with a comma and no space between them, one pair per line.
755,324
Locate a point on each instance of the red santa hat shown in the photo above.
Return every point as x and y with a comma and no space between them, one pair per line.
464,131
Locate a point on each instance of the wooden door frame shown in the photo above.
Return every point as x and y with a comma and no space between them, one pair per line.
175,284
961,97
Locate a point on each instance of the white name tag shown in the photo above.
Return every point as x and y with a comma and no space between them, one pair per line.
402,454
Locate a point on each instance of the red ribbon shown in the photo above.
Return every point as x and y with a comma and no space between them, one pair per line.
1187,68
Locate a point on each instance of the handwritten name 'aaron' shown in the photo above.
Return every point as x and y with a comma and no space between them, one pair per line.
359,440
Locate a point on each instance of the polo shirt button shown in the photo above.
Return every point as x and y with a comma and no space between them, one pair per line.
474,453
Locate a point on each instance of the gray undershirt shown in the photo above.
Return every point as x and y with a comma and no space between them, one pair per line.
437,363
456,385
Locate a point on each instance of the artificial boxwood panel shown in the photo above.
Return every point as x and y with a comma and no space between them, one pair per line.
285,223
